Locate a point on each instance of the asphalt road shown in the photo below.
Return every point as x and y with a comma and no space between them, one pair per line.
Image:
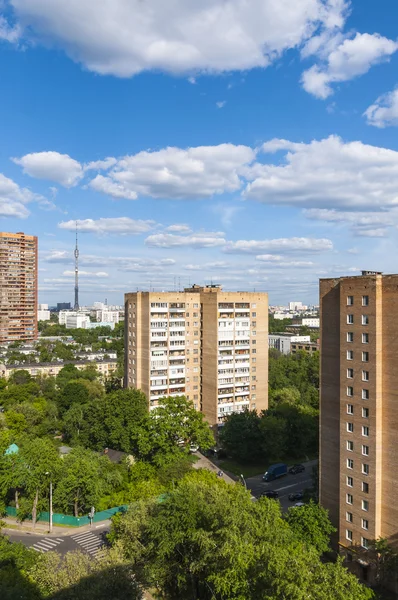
284,486
90,541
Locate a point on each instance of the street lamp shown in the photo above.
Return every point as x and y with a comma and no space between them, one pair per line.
51,502
244,481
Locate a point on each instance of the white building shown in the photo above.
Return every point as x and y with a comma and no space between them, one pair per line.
279,316
107,316
283,342
43,314
310,322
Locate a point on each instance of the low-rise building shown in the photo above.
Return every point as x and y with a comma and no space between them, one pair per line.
309,347
284,341
105,368
43,314
310,322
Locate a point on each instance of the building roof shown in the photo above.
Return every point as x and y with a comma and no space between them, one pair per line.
13,449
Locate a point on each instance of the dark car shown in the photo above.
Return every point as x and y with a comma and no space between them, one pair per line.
296,469
270,494
296,496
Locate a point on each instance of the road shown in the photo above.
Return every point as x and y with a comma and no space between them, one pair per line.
285,485
90,541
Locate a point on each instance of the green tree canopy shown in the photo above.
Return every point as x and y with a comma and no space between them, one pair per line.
311,524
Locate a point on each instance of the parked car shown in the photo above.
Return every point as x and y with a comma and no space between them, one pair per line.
270,494
298,504
296,469
296,496
193,448
275,471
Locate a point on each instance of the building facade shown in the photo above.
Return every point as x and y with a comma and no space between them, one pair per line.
106,368
18,287
204,343
285,342
359,408
43,314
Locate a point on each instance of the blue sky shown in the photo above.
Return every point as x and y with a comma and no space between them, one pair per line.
248,142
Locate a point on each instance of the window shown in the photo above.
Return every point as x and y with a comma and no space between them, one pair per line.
365,356
364,543
254,305
350,463
253,378
350,336
365,375
350,300
350,481
350,427
254,315
350,391
365,320
350,446
350,354
350,373
365,338
196,305
365,450
365,505
365,300
365,524
349,498
349,517
254,323
348,535
365,413
365,394
365,431
350,409
253,387
350,319
365,469
365,487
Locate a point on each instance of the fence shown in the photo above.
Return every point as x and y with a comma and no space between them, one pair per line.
68,521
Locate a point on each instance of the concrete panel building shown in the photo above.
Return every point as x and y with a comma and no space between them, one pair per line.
359,408
18,287
204,343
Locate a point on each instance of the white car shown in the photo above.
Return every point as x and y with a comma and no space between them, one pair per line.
300,504
193,448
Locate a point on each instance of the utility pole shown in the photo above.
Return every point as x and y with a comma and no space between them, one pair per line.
51,502
76,273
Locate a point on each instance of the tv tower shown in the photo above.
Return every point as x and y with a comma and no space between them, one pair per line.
76,274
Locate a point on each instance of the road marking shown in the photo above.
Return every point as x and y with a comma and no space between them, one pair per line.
46,544
90,543
286,487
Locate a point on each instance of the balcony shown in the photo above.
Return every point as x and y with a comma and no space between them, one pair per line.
162,387
159,309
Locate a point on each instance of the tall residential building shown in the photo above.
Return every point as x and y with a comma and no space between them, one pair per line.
204,343
359,407
18,287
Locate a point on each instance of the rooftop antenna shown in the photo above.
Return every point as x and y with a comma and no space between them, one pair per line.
76,273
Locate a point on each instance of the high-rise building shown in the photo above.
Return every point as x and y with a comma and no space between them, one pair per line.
359,408
18,287
204,343
63,306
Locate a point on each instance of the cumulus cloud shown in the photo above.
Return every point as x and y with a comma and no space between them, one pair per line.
100,274
52,166
364,224
121,263
221,103
350,58
279,261
118,225
177,173
384,111
220,264
8,33
101,165
123,38
194,240
294,244
179,228
330,173
13,199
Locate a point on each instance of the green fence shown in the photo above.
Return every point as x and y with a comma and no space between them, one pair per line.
69,521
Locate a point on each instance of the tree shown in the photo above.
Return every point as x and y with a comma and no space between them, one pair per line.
312,525
241,436
273,430
74,392
15,563
20,377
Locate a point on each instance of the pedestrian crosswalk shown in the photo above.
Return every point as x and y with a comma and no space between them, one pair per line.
89,542
47,544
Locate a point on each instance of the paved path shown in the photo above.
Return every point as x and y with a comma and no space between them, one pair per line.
205,463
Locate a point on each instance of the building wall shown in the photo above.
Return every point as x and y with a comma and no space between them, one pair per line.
105,368
18,287
187,331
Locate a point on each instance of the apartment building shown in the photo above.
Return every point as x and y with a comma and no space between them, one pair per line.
204,343
105,368
18,287
359,408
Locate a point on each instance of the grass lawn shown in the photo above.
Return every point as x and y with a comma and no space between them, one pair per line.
252,469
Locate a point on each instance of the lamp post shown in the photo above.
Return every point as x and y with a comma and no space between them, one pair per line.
244,481
51,502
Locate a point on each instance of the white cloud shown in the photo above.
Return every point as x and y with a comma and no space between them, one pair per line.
13,199
209,265
294,244
330,173
122,38
52,166
350,58
121,263
192,80
384,112
264,258
179,228
195,240
101,165
100,274
221,103
118,225
177,173
364,224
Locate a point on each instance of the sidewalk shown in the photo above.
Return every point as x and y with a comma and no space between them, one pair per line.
43,528
205,463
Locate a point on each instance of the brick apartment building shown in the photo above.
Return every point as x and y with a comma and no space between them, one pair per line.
18,287
359,409
204,343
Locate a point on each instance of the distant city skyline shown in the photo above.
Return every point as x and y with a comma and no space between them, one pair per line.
263,159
